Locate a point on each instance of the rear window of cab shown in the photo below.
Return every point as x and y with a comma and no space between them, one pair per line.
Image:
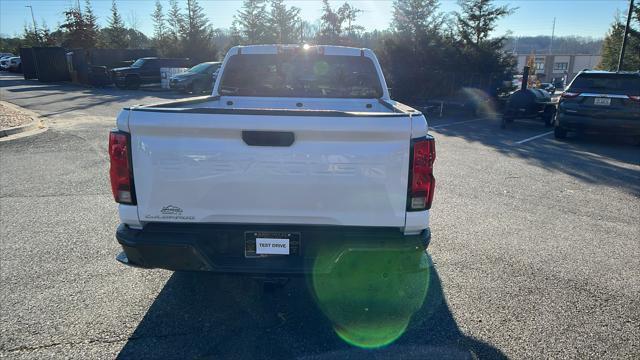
300,75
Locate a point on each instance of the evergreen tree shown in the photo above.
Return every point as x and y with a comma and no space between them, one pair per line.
116,32
415,53
47,37
251,22
479,50
159,24
308,31
284,23
91,25
79,31
30,36
348,14
160,40
175,25
335,25
330,25
613,42
197,34
416,20
235,37
477,19
137,39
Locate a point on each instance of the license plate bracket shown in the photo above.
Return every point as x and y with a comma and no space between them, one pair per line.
271,243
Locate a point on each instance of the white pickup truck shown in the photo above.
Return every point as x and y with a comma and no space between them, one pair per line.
298,151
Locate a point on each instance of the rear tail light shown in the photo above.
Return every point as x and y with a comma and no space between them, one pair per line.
421,181
569,95
121,171
635,98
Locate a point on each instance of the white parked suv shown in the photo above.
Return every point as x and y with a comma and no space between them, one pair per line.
298,151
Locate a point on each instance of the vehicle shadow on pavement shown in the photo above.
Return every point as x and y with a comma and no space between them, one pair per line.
50,93
208,316
595,159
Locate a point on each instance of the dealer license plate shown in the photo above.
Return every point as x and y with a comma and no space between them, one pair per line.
271,243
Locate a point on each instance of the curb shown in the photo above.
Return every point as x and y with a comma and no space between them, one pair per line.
34,125
20,129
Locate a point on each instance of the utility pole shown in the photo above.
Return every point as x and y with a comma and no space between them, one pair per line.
624,39
35,28
553,32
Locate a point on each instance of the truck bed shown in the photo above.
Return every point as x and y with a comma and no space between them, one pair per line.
221,105
230,160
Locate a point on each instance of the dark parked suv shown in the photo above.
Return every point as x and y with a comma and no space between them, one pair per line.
144,71
600,101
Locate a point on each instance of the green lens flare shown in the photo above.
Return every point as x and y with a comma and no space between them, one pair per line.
370,296
482,101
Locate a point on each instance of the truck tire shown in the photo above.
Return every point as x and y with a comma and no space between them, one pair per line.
559,133
197,88
505,120
132,82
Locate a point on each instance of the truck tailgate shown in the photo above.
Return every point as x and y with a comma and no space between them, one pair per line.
339,170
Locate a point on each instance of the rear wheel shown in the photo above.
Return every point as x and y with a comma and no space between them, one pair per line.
505,120
187,89
197,88
548,115
559,133
132,82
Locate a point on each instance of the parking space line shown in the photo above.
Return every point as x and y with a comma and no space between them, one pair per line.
534,137
456,123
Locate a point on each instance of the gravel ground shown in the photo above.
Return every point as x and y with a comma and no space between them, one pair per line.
11,117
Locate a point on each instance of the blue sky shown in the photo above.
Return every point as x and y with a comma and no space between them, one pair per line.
533,17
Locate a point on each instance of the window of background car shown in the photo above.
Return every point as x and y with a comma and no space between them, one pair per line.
138,63
625,84
199,68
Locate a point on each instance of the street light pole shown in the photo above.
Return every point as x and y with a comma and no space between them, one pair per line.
35,29
624,39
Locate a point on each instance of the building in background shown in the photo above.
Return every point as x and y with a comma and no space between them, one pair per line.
559,68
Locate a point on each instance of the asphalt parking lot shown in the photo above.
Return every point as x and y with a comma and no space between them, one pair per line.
535,252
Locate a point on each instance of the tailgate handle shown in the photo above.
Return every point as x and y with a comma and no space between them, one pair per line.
268,138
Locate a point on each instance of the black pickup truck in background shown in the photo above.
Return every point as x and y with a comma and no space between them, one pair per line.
145,71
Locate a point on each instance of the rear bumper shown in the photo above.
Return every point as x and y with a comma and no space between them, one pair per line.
221,247
602,125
